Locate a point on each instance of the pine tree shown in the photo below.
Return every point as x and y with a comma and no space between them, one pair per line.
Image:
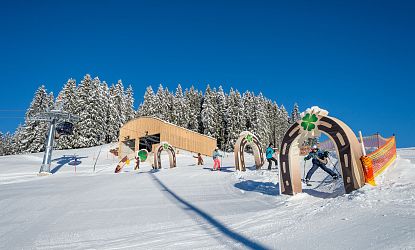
67,102
169,100
147,108
221,121
8,144
193,101
283,124
89,130
249,109
259,121
2,146
129,104
119,102
112,117
235,118
18,138
208,113
34,133
180,114
295,114
161,107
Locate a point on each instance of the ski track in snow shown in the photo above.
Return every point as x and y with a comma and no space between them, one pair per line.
191,207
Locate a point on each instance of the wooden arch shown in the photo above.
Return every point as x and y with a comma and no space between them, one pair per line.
247,138
347,146
157,152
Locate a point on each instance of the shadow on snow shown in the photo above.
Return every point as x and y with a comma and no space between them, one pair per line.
267,188
70,160
209,219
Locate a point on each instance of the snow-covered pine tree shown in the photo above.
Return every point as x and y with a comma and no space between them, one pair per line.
234,118
193,101
34,132
161,107
283,124
18,137
201,129
129,104
259,122
169,100
270,120
2,146
67,100
119,102
115,106
209,113
8,144
221,121
112,118
249,109
295,114
147,107
180,114
89,129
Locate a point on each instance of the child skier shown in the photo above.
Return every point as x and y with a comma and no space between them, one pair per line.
270,156
216,155
319,161
199,159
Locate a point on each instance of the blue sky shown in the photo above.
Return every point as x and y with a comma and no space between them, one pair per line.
353,58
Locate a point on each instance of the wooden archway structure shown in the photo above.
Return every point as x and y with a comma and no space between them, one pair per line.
247,138
157,153
313,122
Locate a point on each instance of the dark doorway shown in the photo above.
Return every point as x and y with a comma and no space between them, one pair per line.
147,141
130,143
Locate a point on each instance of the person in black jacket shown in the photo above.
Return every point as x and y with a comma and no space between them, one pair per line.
319,161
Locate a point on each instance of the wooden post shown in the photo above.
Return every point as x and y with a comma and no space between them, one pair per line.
378,139
362,143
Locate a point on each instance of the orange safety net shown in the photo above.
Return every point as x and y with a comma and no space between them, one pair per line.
376,162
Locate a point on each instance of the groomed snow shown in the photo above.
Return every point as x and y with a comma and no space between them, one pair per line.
191,207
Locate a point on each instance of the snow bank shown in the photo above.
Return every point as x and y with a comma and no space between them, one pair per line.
191,207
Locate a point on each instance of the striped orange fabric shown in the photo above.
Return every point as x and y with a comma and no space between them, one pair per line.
376,162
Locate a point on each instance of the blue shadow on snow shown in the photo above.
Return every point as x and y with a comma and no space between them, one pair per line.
219,226
70,160
267,188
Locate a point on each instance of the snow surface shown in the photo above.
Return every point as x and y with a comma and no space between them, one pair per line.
191,207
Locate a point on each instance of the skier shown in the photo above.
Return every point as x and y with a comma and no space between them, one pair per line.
319,160
137,163
199,159
270,156
216,155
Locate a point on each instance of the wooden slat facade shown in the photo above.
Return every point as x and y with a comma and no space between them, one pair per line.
178,137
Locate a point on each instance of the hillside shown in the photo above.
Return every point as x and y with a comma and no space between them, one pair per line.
191,207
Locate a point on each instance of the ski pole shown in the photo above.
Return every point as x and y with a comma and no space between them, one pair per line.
334,165
304,171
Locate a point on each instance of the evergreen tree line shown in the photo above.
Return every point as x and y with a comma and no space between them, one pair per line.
103,110
218,114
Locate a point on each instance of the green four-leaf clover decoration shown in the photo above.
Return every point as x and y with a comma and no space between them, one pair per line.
142,154
249,137
165,146
308,122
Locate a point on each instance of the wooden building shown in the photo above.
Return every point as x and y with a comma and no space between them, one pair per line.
148,132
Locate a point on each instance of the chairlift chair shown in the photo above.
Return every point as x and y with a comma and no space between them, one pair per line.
64,128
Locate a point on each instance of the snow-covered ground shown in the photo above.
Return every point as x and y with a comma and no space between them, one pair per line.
191,207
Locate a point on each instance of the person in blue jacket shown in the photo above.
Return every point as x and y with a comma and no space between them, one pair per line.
319,161
270,156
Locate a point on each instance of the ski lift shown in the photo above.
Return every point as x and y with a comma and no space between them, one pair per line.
64,128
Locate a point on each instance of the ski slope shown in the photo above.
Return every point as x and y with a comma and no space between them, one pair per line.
191,207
